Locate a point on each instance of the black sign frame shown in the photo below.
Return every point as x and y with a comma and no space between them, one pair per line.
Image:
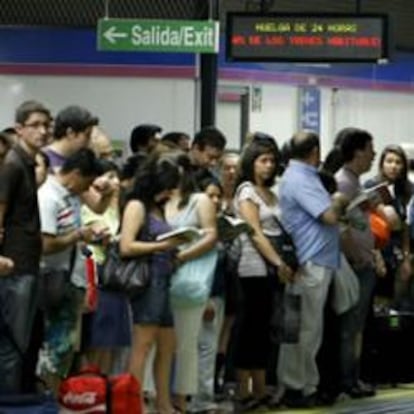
295,58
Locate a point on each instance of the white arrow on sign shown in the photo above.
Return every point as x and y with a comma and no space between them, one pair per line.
112,35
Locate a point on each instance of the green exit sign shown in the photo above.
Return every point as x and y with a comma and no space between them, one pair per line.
177,36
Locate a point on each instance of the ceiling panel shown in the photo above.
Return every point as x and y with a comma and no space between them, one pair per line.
87,12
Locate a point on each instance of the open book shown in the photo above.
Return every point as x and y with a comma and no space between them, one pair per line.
230,227
186,233
374,195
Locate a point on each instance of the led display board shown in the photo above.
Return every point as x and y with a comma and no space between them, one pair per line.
306,37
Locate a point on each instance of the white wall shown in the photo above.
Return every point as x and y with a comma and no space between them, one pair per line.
388,116
120,103
278,116
279,113
228,120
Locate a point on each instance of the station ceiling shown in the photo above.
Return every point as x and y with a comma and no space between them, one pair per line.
85,13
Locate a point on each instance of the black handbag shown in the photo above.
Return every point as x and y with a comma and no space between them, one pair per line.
130,275
286,316
54,283
285,247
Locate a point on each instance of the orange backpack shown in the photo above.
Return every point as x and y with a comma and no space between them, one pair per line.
380,229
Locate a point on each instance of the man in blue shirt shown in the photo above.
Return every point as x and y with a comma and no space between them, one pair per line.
311,216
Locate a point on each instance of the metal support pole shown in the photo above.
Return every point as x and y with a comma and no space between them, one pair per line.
106,9
208,77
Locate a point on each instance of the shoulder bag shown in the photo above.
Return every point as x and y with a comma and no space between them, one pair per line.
54,282
285,321
130,275
345,292
191,282
285,246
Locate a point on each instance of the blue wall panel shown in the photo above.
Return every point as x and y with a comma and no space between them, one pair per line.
67,46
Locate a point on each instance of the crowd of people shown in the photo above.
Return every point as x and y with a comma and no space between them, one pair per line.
64,198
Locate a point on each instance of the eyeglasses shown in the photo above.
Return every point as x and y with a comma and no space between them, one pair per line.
37,125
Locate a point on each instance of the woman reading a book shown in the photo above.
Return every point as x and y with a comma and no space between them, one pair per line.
213,316
142,221
259,268
183,209
393,169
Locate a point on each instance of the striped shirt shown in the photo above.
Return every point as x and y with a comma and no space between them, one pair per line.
59,215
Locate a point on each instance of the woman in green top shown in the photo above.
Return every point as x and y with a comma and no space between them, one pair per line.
108,329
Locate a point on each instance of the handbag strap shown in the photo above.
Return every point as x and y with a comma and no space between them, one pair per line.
281,226
274,216
72,260
144,233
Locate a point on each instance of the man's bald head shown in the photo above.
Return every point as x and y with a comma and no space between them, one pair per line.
101,144
303,145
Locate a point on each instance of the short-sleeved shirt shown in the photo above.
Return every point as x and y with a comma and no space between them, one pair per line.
362,238
251,261
56,160
60,214
303,199
22,239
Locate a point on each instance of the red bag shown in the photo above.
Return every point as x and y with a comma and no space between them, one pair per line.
92,393
91,287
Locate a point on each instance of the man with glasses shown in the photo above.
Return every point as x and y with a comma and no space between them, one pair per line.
21,241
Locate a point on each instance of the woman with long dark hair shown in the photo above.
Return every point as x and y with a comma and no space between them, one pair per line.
393,169
260,267
143,219
185,208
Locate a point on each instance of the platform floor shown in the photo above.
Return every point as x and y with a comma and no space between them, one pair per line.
396,400
387,401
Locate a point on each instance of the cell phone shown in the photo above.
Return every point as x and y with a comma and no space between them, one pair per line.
98,239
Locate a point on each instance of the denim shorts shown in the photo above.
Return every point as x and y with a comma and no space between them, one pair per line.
152,307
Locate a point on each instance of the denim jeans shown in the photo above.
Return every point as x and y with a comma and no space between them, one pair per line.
352,324
18,304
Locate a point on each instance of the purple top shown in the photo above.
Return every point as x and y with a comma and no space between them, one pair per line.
56,160
162,262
